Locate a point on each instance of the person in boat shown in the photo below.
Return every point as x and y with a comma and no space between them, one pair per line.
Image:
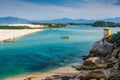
66,37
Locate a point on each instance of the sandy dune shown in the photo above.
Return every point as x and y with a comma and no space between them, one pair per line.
29,25
6,34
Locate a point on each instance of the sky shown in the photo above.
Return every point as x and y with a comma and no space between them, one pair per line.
54,9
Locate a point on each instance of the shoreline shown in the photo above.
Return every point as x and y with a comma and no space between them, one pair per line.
42,75
10,34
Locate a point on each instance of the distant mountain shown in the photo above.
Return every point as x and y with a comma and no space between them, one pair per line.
116,19
15,20
67,20
12,20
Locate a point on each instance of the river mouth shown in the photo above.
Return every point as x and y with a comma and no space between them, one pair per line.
45,50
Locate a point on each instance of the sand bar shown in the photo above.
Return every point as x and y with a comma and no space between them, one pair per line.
6,34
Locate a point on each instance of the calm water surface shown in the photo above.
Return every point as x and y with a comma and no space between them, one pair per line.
45,50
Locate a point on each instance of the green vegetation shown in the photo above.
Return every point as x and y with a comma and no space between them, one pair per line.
14,27
51,25
95,24
115,38
79,23
105,24
98,24
60,25
46,25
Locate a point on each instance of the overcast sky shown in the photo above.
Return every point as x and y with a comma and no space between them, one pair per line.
53,9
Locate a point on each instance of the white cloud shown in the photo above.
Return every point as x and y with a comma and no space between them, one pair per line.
73,9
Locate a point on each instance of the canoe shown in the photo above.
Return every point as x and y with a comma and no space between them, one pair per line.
10,40
66,37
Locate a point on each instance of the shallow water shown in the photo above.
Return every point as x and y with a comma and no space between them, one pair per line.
45,50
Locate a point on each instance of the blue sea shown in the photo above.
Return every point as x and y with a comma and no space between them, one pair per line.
45,50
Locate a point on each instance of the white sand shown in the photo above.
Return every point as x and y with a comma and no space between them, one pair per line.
10,34
29,25
40,76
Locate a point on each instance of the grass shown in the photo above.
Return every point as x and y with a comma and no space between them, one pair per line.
14,27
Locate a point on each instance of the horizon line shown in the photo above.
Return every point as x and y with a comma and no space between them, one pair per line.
59,18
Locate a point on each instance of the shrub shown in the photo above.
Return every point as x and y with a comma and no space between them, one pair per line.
14,27
115,38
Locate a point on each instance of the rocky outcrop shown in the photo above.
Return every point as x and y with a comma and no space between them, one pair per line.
103,61
101,49
103,55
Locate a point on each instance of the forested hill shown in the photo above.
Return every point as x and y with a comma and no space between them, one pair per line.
105,24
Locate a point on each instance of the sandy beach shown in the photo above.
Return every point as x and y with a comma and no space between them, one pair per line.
29,25
40,76
6,34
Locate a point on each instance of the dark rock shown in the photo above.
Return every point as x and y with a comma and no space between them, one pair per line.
94,63
115,74
109,58
83,78
95,75
115,66
101,49
110,64
48,79
88,65
116,52
65,78
29,78
102,66
119,55
85,57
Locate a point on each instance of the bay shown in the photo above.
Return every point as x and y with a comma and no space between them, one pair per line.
46,50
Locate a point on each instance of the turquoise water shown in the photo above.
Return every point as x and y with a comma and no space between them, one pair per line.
45,50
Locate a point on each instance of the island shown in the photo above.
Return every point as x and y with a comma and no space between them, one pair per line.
98,24
105,24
